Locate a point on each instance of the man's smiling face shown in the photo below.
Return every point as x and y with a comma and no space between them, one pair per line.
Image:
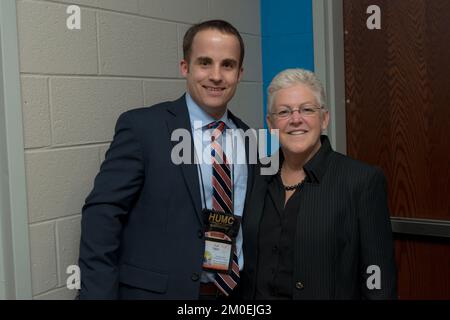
213,70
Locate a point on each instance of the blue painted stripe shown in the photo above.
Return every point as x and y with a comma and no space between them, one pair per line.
287,38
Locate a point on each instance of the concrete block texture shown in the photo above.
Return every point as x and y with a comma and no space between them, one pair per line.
136,46
130,6
58,181
182,28
252,59
156,91
68,232
191,11
85,110
36,112
43,257
102,151
243,14
247,104
57,294
75,84
47,46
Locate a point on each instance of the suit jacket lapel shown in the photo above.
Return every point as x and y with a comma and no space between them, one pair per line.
180,120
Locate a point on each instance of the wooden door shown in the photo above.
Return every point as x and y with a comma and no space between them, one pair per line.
397,82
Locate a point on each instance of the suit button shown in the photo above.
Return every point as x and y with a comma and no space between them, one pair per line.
299,285
195,277
200,234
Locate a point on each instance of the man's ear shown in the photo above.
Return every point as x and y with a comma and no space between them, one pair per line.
184,67
241,73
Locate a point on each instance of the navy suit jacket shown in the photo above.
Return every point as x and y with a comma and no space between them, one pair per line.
142,229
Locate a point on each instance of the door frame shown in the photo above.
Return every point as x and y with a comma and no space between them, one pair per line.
15,269
328,26
329,64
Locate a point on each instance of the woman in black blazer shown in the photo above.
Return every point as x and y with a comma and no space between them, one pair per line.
320,227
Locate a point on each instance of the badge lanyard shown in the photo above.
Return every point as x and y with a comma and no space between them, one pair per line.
201,176
219,238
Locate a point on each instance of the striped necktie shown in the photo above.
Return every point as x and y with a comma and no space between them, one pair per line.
222,200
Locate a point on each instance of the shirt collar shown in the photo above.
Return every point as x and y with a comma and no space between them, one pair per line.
316,167
200,118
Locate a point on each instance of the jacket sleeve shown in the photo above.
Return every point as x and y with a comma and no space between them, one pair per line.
377,258
115,190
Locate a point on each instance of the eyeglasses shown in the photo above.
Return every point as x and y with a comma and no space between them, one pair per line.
306,110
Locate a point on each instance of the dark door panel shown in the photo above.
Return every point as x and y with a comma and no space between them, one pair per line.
398,118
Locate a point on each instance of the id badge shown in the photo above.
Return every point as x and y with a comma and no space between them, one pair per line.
221,229
218,252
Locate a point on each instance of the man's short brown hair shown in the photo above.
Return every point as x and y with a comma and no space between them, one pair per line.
219,25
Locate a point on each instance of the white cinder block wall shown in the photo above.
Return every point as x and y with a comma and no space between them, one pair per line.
75,83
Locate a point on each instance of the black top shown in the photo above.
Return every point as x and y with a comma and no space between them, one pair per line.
341,231
275,250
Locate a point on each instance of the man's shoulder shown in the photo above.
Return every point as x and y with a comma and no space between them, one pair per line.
154,113
237,121
153,110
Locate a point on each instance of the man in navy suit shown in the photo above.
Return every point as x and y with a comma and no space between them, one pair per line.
143,224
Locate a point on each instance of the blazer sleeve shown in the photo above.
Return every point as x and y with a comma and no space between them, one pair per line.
376,244
116,188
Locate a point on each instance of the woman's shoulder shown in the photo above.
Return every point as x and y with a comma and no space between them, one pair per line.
354,169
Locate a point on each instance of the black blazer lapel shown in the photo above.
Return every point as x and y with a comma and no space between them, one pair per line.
251,222
179,119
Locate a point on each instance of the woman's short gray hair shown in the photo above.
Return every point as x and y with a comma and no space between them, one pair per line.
291,77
